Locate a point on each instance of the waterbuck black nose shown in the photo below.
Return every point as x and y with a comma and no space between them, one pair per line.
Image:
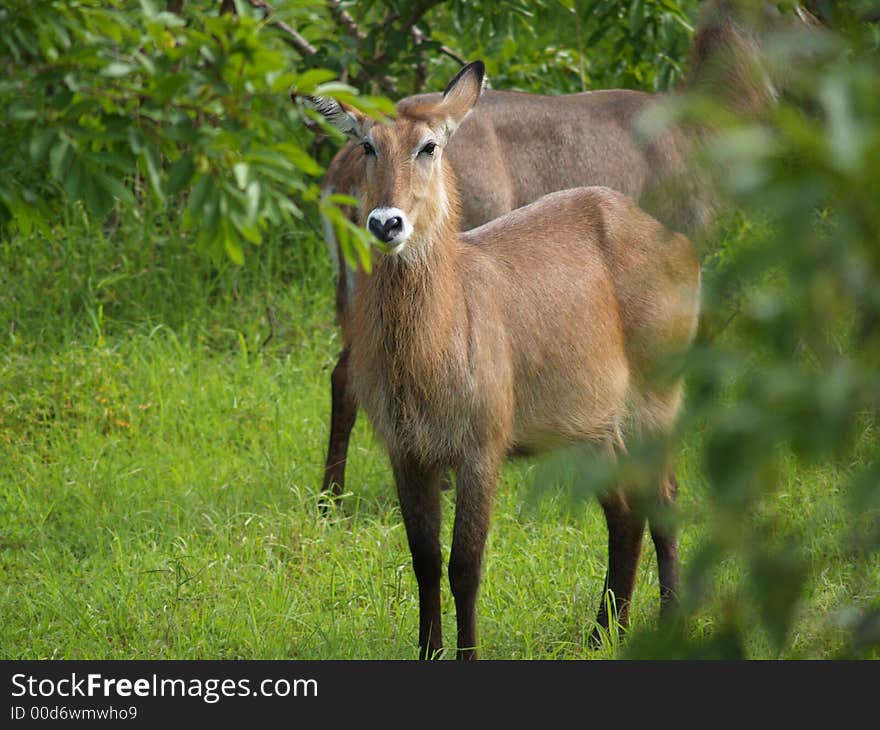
387,230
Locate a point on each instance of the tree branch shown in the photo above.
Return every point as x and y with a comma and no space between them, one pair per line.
421,68
349,25
303,47
343,18
419,36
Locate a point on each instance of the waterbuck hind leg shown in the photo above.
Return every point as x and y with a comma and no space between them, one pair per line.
626,528
343,412
418,489
475,487
664,536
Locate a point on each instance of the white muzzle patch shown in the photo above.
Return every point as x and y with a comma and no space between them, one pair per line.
391,226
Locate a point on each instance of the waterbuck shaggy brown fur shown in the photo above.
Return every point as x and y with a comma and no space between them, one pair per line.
530,145
549,326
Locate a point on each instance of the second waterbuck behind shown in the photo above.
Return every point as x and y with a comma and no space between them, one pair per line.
552,325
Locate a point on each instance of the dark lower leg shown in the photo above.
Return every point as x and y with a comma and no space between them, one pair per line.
473,507
342,417
663,533
464,578
419,492
625,532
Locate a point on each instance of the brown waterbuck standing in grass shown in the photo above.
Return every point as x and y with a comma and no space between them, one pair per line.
549,326
529,145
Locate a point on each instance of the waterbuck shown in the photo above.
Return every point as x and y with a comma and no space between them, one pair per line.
546,327
529,145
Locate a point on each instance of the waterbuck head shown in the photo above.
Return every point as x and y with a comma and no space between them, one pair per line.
409,196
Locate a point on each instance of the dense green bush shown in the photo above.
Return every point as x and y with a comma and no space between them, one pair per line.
183,105
786,376
127,105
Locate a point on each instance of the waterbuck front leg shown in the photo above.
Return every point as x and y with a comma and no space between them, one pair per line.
626,528
663,533
343,412
418,489
475,487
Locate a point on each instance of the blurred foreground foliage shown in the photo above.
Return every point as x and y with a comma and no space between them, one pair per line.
785,377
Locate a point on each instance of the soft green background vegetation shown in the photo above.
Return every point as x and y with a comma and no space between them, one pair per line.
163,413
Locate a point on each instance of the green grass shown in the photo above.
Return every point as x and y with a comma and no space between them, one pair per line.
162,430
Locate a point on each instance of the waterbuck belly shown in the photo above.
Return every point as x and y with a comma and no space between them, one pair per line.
552,410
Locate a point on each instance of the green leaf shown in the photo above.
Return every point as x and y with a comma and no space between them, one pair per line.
20,113
210,211
307,81
74,179
241,171
201,190
149,8
146,63
170,20
96,197
232,245
114,187
136,139
179,174
250,233
341,199
24,219
40,143
252,194
636,17
167,85
281,82
118,161
335,88
778,580
299,157
153,167
117,69
59,158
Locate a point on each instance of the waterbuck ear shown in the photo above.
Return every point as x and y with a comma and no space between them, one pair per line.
462,93
347,120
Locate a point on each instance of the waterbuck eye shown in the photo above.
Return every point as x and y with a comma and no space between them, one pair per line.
368,148
428,149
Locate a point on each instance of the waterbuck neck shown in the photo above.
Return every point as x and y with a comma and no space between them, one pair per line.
408,309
